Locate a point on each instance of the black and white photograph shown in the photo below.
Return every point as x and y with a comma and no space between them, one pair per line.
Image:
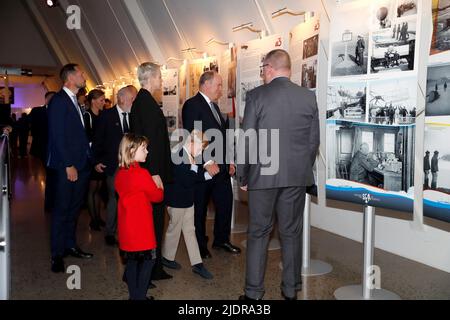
170,90
441,23
394,47
436,166
347,101
309,73
377,156
406,8
311,47
393,102
247,86
384,13
438,93
349,46
171,121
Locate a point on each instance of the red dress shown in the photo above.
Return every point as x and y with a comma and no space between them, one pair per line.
137,191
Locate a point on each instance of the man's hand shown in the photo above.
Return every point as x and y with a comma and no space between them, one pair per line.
99,168
158,181
244,188
232,170
212,169
72,174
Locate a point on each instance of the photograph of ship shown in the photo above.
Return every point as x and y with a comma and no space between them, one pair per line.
441,26
438,93
347,101
394,48
393,102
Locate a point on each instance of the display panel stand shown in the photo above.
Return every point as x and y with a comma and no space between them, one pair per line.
310,267
366,290
236,227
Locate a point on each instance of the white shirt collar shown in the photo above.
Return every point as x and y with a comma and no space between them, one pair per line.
120,110
208,100
69,92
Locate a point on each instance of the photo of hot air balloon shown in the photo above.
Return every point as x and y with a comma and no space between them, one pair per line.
384,12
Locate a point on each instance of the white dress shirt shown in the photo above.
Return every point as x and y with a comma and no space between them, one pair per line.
74,99
120,111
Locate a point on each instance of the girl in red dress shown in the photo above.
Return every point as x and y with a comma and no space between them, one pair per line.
137,191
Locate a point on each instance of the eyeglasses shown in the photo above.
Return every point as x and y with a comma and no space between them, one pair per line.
261,68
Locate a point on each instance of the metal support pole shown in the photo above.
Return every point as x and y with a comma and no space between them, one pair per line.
236,227
310,267
366,291
5,270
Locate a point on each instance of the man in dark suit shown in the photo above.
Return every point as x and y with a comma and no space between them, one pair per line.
290,113
39,129
69,156
202,113
147,119
112,125
39,132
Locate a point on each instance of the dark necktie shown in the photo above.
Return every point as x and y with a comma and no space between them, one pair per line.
126,128
215,113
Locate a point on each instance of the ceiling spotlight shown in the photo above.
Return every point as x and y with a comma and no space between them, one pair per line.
52,3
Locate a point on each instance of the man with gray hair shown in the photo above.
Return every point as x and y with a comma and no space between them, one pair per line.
147,119
112,125
201,112
281,107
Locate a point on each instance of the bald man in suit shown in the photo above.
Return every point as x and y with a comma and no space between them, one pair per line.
278,106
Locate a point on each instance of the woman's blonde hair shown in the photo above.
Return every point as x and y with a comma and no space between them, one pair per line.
128,147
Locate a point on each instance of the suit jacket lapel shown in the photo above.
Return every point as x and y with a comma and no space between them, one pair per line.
208,107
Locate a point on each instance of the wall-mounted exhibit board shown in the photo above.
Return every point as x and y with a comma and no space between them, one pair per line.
250,58
436,168
304,49
372,103
228,71
170,97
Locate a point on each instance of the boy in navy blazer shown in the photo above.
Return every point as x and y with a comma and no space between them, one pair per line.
179,197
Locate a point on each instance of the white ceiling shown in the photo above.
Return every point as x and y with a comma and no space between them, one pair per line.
114,39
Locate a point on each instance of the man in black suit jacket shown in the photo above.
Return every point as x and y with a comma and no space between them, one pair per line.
147,119
112,125
69,155
202,113
39,129
39,132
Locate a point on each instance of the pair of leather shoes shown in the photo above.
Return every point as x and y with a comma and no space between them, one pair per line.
111,241
228,247
205,254
171,264
202,271
245,297
161,275
288,298
78,253
58,265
